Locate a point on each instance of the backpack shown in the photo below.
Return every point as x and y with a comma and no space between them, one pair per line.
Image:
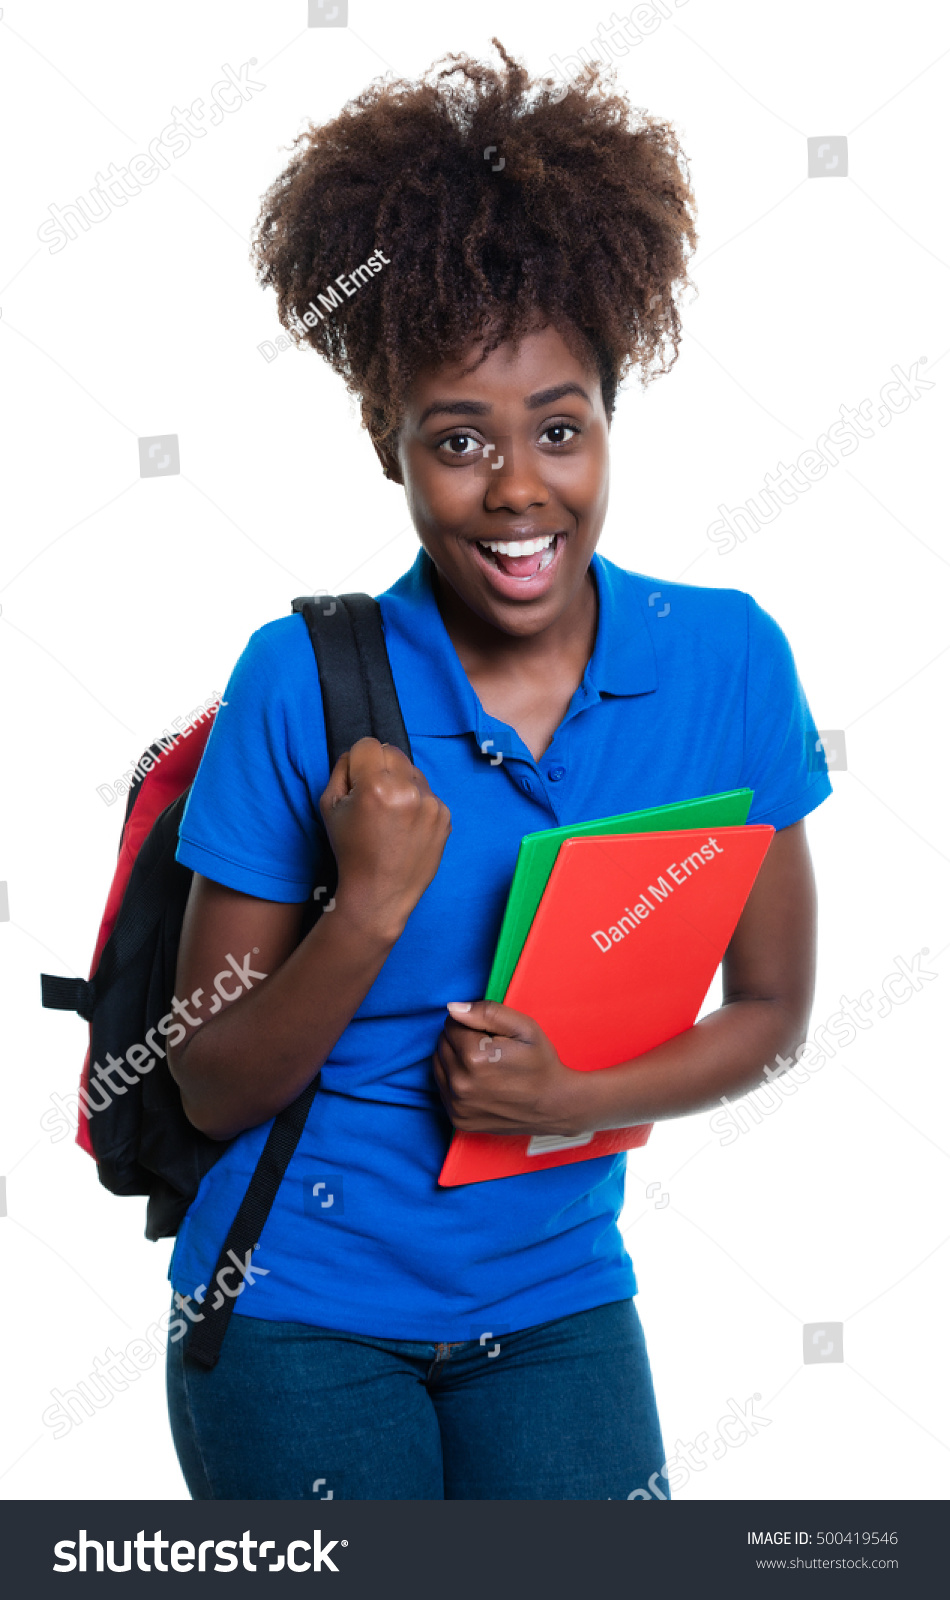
140,1138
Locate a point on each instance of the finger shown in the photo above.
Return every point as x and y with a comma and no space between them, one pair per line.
438,1072
366,757
490,1016
467,1042
481,1053
340,783
450,1057
464,1043
446,1070
369,758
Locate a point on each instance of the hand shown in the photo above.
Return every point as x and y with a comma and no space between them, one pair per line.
498,1072
388,831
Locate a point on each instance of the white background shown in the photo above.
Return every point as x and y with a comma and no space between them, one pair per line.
126,602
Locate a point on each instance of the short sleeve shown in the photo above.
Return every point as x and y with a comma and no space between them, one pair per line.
782,760
251,820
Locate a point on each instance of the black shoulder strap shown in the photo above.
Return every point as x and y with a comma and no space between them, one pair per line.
359,698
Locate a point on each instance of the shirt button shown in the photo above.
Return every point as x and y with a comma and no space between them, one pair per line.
556,773
526,786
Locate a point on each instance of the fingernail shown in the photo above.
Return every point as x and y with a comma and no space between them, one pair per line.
459,1005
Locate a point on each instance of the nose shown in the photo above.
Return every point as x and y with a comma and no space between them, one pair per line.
513,479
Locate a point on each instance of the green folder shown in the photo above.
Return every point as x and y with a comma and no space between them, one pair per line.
538,854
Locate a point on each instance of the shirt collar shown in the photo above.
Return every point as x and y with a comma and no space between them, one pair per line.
436,696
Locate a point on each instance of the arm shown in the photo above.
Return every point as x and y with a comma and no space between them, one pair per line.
241,1066
246,1059
768,986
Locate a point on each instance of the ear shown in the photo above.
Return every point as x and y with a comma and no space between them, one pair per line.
390,465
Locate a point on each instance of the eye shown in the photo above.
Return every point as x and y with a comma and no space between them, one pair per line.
562,428
447,446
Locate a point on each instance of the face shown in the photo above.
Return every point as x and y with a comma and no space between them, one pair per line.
511,452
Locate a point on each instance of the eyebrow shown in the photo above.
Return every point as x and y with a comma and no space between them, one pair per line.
481,408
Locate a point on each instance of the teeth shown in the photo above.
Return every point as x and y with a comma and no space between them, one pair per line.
518,547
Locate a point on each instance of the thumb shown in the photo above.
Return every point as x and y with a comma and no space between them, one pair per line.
490,1016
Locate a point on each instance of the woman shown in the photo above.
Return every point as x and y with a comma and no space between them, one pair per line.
398,1340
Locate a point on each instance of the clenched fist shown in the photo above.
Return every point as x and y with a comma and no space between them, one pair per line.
388,831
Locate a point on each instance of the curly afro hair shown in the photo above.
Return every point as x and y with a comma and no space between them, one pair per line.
501,204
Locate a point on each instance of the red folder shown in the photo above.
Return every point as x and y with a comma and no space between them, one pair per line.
619,958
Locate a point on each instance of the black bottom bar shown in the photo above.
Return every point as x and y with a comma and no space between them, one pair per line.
478,1550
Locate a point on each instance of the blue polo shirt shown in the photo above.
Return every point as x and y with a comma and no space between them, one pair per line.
688,691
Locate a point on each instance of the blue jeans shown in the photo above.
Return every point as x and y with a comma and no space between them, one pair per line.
561,1411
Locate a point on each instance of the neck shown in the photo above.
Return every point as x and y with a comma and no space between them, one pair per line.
486,651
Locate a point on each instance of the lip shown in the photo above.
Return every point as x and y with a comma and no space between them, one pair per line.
518,588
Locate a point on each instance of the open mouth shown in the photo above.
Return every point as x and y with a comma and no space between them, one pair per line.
520,558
